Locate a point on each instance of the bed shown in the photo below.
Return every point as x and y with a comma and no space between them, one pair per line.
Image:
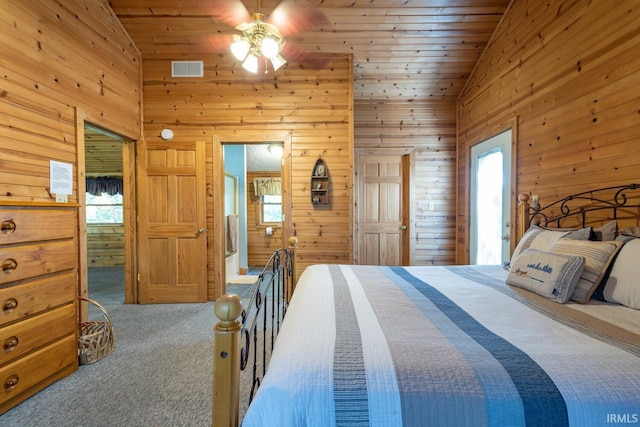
552,339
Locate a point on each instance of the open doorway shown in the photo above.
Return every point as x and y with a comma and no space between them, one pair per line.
105,216
253,208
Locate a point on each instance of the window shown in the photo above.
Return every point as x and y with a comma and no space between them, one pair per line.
104,209
271,208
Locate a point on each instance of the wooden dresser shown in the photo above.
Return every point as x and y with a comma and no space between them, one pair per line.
38,294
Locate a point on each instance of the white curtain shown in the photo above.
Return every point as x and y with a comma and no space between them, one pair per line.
267,186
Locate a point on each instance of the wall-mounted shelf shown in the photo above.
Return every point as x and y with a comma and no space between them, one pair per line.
320,183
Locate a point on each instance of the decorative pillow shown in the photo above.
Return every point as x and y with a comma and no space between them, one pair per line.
598,256
554,276
598,294
575,233
541,238
606,232
623,284
572,233
624,238
631,231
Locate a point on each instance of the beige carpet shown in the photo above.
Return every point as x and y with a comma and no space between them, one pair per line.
159,374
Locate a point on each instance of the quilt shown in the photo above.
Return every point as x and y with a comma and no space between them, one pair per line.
421,346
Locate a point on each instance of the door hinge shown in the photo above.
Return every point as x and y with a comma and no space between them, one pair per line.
138,277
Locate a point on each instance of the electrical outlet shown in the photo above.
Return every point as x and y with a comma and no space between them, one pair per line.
534,200
432,206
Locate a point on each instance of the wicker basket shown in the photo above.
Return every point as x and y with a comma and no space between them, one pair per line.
95,339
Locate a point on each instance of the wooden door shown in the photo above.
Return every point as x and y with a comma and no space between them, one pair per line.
172,232
382,227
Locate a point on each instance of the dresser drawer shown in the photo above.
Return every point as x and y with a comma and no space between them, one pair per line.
37,295
27,225
25,261
26,376
20,338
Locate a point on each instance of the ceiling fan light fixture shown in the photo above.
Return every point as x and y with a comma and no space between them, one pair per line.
277,62
251,63
258,39
269,47
240,47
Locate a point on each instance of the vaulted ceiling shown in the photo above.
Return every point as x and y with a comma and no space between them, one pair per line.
402,49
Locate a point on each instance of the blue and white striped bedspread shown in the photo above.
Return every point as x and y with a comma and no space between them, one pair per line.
421,346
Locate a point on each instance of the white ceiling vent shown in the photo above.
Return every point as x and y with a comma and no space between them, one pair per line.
187,69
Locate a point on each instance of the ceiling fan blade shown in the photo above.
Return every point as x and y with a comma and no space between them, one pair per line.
218,42
230,12
295,16
312,60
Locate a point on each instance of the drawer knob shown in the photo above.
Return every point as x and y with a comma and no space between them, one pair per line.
9,264
10,343
10,304
11,382
8,226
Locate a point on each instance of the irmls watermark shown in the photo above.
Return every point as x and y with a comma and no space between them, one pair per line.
623,418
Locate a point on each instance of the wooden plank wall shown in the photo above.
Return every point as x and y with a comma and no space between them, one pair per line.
33,131
569,73
55,58
105,245
260,246
433,233
425,130
103,154
314,106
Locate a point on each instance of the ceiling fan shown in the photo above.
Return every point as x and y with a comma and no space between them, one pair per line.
261,42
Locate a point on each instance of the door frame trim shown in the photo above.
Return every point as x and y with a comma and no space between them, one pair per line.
130,286
493,144
216,238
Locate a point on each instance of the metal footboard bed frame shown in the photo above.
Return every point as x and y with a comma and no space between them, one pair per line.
235,335
247,334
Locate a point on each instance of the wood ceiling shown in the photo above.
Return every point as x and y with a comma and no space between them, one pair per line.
402,49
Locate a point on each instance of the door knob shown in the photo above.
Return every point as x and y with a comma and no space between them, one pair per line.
403,227
201,230
506,237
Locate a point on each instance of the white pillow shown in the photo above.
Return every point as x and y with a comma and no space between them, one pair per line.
598,256
554,276
537,238
623,285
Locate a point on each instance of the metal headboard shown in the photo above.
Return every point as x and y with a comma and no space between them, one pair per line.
607,203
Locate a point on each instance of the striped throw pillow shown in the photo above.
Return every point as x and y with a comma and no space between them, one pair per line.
597,255
541,238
